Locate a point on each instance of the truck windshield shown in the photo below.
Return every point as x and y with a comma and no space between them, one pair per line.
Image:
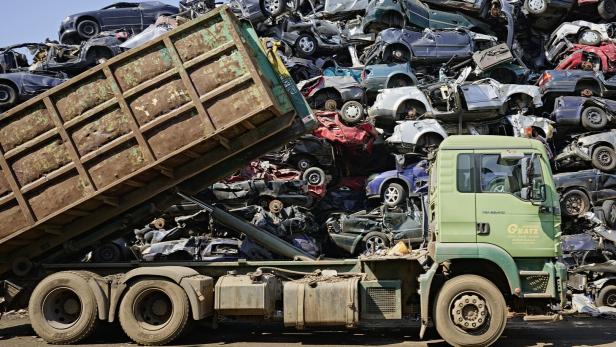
498,175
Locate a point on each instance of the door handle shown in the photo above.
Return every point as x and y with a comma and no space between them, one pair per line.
483,228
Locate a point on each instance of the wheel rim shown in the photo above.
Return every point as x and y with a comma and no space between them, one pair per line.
61,308
391,195
470,313
4,95
535,5
375,243
594,117
314,178
303,164
88,29
610,299
604,157
272,5
153,309
352,112
306,44
589,36
574,205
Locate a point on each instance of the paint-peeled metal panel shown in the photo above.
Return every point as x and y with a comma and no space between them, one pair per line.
82,153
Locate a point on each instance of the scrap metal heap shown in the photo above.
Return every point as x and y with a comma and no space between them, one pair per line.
388,81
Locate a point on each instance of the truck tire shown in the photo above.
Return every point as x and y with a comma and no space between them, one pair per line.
575,203
154,312
604,158
594,118
63,309
607,296
609,212
469,300
394,194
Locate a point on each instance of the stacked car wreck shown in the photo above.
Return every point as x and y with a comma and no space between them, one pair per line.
310,147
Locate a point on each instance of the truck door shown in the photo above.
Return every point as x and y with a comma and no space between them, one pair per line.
457,208
506,214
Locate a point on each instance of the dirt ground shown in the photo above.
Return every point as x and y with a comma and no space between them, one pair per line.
15,330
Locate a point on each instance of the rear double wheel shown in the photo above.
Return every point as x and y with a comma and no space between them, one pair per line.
154,312
63,309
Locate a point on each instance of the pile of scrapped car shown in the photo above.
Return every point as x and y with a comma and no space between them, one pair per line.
388,80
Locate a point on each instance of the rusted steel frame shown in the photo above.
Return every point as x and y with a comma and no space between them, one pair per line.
69,143
192,91
10,178
31,143
134,125
154,187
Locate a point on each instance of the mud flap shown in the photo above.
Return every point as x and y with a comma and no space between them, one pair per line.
425,281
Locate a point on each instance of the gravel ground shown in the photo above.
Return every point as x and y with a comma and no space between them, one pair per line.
15,330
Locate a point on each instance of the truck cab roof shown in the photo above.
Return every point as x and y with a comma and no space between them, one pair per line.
478,142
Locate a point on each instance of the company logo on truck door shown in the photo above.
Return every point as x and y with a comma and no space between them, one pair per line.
522,233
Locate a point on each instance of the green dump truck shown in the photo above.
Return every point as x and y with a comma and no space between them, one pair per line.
169,118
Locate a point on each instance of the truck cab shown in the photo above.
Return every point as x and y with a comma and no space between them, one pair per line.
494,215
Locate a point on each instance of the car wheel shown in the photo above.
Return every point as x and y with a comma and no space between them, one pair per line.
8,96
497,185
87,28
470,311
536,7
393,194
302,163
607,296
589,37
352,112
607,9
604,158
609,212
375,241
272,8
575,203
594,118
314,176
306,45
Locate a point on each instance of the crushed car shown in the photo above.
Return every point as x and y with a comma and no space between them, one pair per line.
335,92
395,186
596,149
582,190
133,16
593,114
16,87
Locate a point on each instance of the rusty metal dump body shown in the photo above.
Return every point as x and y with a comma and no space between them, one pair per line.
129,129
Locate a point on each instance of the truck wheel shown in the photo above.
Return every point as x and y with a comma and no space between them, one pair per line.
63,309
8,96
375,241
470,311
604,158
607,297
575,203
314,176
594,118
352,112
609,211
154,312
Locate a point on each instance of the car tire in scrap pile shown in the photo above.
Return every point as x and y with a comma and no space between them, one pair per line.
594,118
575,203
607,296
604,158
63,308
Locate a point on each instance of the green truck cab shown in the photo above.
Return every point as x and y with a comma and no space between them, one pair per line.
494,222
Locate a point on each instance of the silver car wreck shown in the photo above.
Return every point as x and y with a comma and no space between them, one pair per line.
477,100
596,148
